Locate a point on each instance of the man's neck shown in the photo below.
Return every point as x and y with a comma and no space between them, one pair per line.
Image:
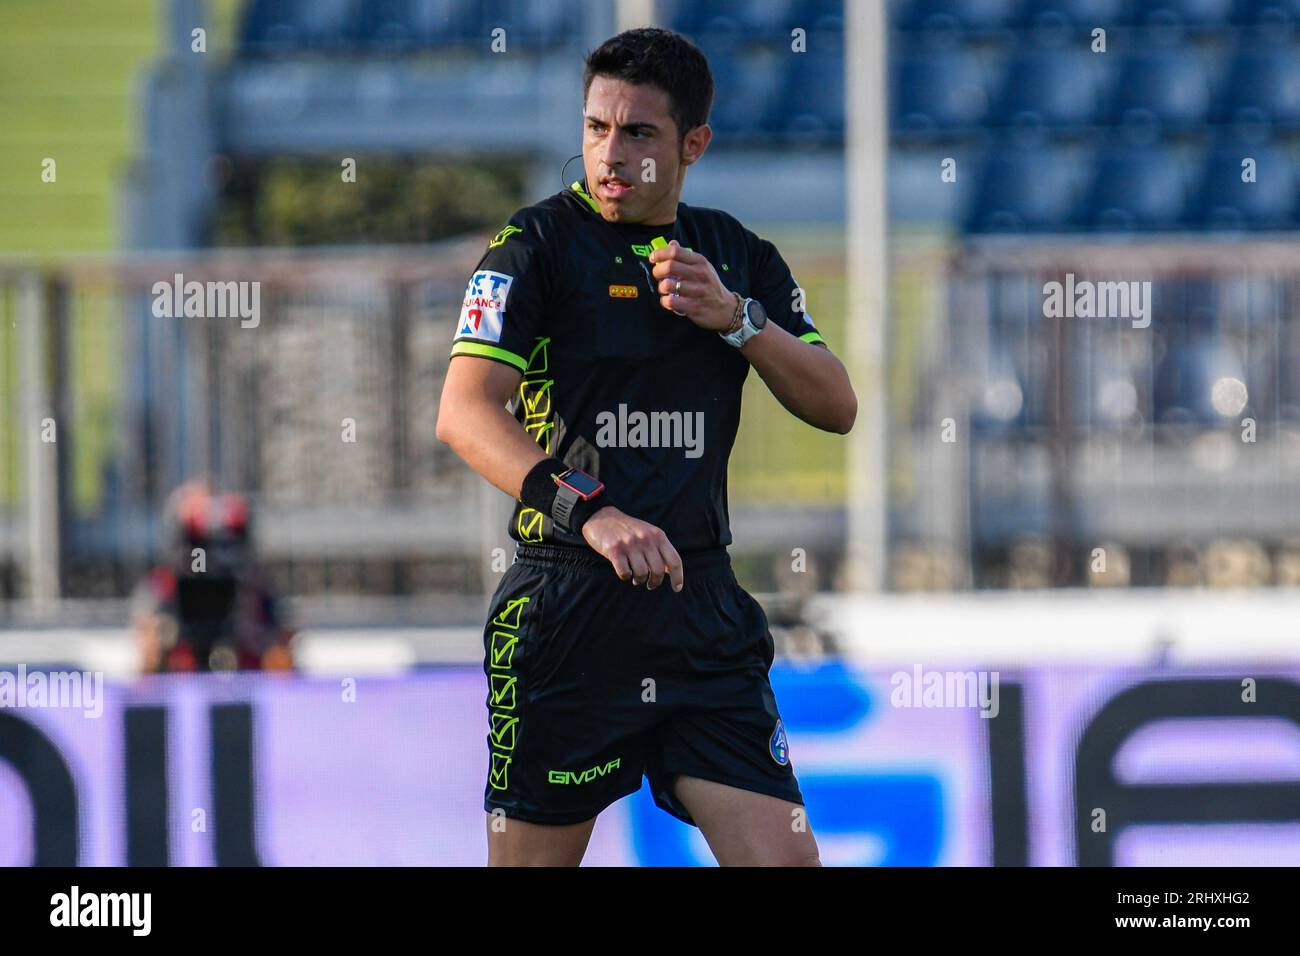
666,214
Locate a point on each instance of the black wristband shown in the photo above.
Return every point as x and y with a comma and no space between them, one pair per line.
539,491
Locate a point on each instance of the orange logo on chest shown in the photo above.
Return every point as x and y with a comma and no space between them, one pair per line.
622,292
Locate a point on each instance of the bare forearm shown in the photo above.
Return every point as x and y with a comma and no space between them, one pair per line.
492,442
808,380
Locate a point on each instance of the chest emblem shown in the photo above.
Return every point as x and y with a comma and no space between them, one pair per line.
623,292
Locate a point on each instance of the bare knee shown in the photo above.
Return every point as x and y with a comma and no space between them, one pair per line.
810,858
769,855
514,842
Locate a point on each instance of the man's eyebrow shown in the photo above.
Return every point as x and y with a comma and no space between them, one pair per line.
627,126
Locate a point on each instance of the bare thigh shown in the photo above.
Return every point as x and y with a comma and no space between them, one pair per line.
516,843
748,829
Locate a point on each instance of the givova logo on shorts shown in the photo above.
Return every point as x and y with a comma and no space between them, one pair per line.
588,775
503,690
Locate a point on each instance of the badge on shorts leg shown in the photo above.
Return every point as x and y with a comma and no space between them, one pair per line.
778,746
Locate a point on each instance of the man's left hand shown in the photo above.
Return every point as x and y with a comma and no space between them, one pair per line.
689,286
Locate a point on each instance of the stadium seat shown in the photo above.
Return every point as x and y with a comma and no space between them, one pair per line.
897,13
275,27
744,20
694,17
745,86
1264,89
816,15
1270,18
407,25
939,92
810,106
1225,202
267,26
766,21
1023,191
541,25
385,27
1162,90
1069,15
1184,14
1051,89
961,16
1136,189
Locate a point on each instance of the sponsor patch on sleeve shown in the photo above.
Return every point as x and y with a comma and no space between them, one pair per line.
483,313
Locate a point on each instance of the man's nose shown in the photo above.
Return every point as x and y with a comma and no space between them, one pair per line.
612,152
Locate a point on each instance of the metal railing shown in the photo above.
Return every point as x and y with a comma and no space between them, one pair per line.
322,410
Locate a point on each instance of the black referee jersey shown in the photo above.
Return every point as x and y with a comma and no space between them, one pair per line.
613,383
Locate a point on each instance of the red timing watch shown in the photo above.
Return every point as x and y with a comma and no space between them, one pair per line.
573,486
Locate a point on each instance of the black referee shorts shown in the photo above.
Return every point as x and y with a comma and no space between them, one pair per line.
593,682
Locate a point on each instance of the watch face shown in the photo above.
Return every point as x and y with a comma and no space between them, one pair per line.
756,314
581,482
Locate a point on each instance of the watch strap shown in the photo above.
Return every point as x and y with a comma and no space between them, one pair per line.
746,329
566,508
737,316
562,507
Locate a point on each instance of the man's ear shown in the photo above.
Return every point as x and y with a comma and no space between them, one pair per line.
695,143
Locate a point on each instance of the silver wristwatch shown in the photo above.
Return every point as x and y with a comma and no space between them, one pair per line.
752,322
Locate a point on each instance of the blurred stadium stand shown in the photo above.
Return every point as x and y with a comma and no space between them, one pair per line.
1127,162
982,76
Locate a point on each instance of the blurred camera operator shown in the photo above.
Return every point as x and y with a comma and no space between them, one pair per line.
208,606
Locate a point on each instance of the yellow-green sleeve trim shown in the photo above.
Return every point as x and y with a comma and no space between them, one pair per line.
491,352
812,337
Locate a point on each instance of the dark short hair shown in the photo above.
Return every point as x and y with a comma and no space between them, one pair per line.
662,58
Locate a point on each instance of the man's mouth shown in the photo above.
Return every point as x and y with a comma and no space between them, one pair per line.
614,188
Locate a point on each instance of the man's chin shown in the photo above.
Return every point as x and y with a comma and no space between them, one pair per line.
616,210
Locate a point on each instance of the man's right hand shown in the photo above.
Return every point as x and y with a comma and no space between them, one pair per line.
637,549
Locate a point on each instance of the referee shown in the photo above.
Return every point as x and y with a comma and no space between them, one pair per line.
596,378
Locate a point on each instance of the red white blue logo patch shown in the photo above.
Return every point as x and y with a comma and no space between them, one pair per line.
482,314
